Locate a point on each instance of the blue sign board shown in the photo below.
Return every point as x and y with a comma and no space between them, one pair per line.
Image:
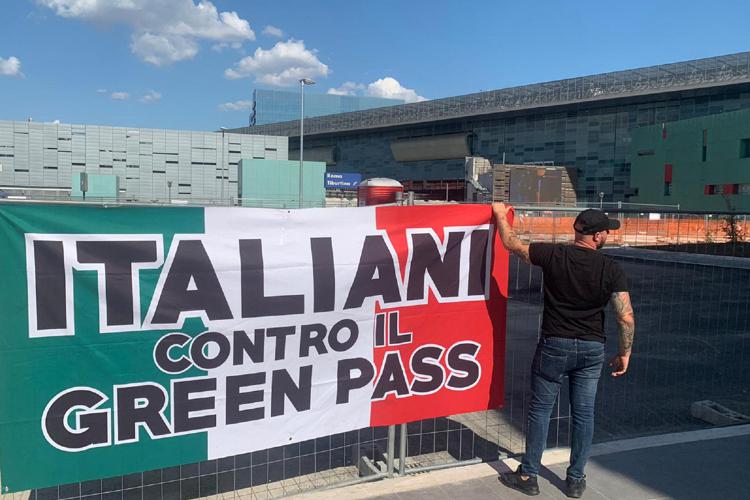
342,181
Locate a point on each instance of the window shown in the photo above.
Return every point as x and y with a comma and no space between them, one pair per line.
646,152
745,148
667,189
723,189
704,149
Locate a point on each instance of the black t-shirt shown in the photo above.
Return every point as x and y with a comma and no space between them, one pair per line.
578,283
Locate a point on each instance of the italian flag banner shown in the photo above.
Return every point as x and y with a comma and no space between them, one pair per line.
137,338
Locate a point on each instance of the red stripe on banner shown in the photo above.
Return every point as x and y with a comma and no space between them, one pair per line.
446,324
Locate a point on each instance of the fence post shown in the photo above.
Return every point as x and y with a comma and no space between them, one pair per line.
402,452
391,449
705,229
554,227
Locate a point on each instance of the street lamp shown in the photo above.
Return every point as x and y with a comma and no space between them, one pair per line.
223,129
302,83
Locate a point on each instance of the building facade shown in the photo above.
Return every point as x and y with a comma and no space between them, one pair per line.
150,164
583,124
273,106
699,164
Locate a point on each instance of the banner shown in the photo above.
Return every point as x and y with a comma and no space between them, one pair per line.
137,338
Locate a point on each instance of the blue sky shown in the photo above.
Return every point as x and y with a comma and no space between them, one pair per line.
188,64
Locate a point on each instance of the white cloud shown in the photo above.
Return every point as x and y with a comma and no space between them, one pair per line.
348,88
161,50
218,47
119,96
281,66
390,88
150,96
164,31
273,31
236,106
10,67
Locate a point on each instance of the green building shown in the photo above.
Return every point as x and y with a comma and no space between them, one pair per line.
699,163
275,183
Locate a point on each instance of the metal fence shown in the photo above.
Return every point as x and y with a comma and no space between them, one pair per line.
691,298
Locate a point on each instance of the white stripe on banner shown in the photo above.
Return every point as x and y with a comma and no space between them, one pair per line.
287,264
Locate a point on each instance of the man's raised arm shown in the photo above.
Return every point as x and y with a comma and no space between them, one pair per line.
511,242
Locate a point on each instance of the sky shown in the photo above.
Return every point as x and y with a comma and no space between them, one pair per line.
192,64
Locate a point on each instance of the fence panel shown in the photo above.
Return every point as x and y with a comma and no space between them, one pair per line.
689,285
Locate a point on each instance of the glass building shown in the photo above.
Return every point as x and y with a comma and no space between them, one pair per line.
273,106
585,124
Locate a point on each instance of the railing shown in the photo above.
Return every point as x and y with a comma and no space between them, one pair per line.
692,305
265,202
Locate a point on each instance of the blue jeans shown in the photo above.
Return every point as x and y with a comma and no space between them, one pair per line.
581,361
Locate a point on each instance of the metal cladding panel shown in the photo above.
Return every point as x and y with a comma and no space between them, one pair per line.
276,183
445,147
325,154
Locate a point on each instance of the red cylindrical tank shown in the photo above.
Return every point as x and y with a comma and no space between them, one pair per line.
377,191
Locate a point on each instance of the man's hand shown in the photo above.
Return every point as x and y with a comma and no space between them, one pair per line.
500,209
619,365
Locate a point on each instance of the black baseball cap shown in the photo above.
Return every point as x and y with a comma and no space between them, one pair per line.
592,221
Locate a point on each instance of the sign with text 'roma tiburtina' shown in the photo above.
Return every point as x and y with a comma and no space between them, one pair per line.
136,338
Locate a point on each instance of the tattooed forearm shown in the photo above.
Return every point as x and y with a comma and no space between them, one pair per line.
627,332
510,240
625,320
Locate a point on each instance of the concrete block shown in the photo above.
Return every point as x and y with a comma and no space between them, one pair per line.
716,414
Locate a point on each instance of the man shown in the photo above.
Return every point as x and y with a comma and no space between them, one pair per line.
579,281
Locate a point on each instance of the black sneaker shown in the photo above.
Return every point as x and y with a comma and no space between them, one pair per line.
514,480
574,488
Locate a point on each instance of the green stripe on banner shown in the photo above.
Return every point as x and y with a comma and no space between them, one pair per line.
34,370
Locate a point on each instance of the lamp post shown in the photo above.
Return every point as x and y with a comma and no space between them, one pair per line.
302,83
223,165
